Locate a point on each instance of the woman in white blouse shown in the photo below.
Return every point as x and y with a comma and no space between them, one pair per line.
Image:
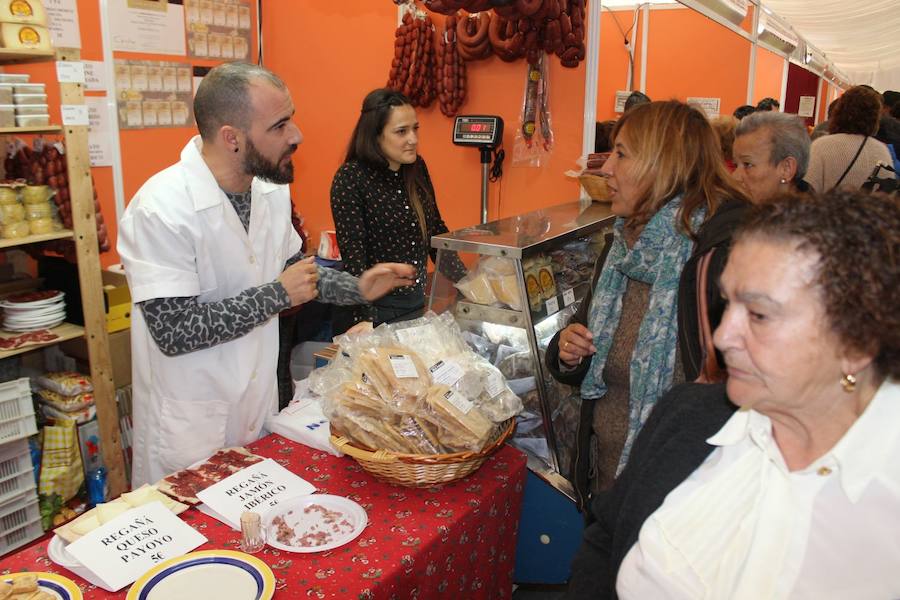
784,482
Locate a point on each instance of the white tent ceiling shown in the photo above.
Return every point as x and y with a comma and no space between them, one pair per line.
861,37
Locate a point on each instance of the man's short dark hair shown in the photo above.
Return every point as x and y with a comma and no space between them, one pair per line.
742,111
223,96
768,104
636,99
891,98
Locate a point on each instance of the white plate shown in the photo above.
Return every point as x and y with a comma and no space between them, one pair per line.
206,574
33,327
56,551
337,520
12,302
41,317
19,310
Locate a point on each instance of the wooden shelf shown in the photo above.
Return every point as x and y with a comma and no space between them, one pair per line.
41,129
66,331
25,56
65,234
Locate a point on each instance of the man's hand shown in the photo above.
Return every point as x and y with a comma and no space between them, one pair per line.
301,280
384,278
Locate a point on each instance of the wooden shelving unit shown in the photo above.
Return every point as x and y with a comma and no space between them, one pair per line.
88,254
66,331
64,234
23,130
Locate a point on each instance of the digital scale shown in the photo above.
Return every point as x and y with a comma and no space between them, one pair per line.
484,132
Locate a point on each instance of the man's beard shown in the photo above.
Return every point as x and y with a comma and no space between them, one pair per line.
259,166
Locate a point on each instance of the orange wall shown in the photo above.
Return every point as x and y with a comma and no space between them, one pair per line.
613,63
769,73
332,53
691,55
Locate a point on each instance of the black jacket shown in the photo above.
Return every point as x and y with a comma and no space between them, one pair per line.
715,235
670,446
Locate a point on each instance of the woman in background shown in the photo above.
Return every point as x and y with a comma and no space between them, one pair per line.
847,156
383,205
771,153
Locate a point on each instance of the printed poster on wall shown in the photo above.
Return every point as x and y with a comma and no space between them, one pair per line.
218,28
99,134
154,94
709,106
151,26
807,106
62,21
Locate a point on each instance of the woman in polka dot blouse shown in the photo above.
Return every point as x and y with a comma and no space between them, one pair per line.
384,206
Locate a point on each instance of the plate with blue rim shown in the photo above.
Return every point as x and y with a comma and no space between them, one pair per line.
57,586
206,574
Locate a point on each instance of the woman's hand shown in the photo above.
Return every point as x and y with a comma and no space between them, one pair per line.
575,342
384,278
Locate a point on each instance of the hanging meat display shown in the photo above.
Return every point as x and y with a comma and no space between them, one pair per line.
413,66
518,28
451,70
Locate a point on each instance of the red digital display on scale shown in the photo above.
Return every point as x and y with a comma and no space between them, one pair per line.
474,127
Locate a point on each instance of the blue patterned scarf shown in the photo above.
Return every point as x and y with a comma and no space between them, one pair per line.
657,258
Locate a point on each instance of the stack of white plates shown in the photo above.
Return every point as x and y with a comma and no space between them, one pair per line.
33,310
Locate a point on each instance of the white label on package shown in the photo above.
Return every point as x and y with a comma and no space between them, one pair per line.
446,372
459,401
256,488
552,306
568,297
403,366
413,335
494,385
123,549
69,71
75,114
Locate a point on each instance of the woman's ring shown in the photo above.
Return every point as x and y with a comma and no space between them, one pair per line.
566,346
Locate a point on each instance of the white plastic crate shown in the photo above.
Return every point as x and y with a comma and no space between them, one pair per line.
20,521
16,471
16,410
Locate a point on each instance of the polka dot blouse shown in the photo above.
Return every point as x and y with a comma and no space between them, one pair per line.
375,221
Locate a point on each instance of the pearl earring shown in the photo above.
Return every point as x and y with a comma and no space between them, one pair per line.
783,181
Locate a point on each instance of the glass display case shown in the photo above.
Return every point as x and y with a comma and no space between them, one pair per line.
512,284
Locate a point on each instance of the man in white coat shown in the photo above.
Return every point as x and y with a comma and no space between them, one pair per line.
211,259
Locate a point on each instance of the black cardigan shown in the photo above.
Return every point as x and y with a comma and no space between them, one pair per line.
670,446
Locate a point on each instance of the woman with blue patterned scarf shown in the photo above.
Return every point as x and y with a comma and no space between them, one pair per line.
636,335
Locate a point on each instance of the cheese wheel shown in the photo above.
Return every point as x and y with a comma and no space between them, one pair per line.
23,11
19,36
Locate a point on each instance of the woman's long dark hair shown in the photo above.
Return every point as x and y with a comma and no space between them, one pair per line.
364,147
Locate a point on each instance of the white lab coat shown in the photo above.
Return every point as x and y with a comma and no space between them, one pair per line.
180,236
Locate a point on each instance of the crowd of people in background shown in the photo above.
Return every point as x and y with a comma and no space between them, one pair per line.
744,226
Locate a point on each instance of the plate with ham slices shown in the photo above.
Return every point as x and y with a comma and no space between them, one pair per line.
184,485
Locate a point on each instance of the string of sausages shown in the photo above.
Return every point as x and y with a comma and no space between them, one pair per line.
509,29
414,63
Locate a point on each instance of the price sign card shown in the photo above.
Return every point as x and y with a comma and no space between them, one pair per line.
257,488
125,548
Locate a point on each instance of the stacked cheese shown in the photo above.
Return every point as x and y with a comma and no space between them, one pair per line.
23,25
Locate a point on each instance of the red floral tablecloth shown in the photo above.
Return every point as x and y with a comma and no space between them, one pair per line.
454,541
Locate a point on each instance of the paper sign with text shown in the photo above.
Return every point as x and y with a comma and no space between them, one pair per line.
257,488
122,550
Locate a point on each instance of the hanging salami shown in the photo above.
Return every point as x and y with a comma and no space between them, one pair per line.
451,70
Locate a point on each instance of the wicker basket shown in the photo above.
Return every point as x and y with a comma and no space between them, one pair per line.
595,186
420,470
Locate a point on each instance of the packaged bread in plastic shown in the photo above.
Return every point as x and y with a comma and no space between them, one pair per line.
477,288
501,273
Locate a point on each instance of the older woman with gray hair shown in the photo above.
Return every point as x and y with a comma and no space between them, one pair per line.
771,151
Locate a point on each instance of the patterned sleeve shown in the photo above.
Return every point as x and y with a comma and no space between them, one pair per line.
335,287
349,221
182,325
